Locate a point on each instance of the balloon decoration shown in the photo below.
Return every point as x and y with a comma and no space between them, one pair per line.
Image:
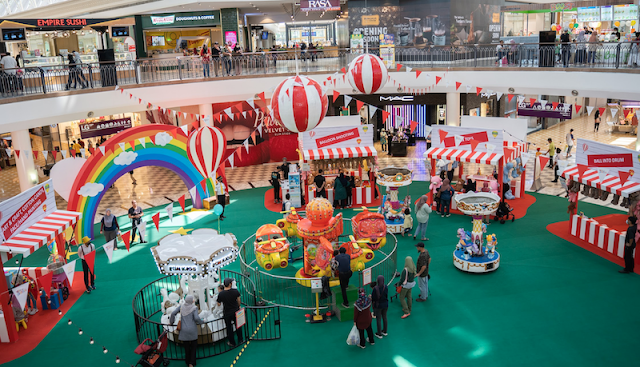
299,103
554,27
367,73
206,147
633,22
617,23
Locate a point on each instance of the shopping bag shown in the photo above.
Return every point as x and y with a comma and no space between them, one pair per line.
504,60
354,336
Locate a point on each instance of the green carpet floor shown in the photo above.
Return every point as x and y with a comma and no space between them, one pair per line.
550,303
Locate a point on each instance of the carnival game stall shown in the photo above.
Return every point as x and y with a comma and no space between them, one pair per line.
602,170
340,144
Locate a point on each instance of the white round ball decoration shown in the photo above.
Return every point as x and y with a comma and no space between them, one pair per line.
299,103
367,73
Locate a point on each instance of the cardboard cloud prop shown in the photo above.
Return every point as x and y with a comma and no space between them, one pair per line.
91,189
125,158
64,174
163,138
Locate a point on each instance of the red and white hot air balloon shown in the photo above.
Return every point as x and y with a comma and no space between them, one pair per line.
299,103
206,147
367,73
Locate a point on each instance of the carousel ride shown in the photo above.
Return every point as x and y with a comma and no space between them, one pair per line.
473,254
392,208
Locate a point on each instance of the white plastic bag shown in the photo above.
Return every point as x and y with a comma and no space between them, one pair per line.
354,336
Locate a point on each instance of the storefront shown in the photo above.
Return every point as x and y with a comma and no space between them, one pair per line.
165,35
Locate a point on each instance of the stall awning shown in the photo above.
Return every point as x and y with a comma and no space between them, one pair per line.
463,155
610,183
335,153
39,234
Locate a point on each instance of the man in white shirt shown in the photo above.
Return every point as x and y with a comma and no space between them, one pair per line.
9,64
84,249
221,191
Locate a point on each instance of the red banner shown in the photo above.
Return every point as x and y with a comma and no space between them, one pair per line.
337,138
610,160
20,216
480,137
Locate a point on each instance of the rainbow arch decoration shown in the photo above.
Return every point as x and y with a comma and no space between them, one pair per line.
165,146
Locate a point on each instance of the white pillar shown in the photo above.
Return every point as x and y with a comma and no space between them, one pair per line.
27,173
453,108
207,110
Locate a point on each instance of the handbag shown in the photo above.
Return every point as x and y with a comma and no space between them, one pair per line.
179,325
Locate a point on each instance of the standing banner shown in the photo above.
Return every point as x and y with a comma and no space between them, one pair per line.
25,209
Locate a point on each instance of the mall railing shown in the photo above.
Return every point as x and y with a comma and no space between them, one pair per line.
54,78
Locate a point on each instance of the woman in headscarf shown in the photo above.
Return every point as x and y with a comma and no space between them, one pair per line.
446,193
362,317
188,328
407,282
422,215
340,190
380,302
109,227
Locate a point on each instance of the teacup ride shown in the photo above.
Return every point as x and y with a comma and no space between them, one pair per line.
370,228
472,253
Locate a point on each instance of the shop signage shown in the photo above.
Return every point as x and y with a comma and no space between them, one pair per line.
338,136
169,19
526,109
610,160
181,266
613,159
324,5
100,128
61,22
557,7
25,209
370,20
189,19
396,98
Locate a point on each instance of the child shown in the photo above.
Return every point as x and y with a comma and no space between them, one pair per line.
408,222
286,205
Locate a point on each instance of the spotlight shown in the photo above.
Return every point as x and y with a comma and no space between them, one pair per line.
69,322
104,350
79,331
117,359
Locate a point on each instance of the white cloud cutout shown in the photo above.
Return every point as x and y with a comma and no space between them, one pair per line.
91,189
125,158
163,138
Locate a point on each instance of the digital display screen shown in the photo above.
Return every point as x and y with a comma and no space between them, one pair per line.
157,40
13,34
119,31
265,35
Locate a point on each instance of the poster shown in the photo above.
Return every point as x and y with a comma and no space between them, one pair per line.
241,318
357,44
387,50
562,111
294,189
366,276
25,209
475,23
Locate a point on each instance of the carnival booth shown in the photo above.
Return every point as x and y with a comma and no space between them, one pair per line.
602,169
340,143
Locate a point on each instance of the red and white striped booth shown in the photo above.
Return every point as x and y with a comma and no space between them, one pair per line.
39,234
33,272
599,235
610,183
337,153
461,155
361,195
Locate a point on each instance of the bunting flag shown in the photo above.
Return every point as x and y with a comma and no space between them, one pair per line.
532,101
251,103
418,72
181,201
45,154
126,238
578,107
260,129
525,158
602,174
21,293
231,160
142,229
478,90
624,176
458,84
582,169
133,145
44,282
398,67
372,111
589,110
385,115
64,154
102,150
70,270
359,105
543,162
601,110
253,137
555,105
427,130
499,95
490,147
246,145
108,249
336,94
408,69
35,154
90,258
169,209
83,153
443,135
458,139
468,88
474,143
143,142
438,79
509,97
413,125
185,129
156,217
520,99
614,112
55,153
18,153
122,146
347,100
543,103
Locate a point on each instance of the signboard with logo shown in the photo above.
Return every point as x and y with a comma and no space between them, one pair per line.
100,128
25,209
179,20
561,111
610,158
352,136
319,5
457,137
231,36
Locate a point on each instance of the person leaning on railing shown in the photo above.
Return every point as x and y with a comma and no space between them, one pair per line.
9,69
206,60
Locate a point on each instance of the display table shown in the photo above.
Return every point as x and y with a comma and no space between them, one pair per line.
398,148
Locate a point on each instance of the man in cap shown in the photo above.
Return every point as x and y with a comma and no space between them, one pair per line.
230,300
86,248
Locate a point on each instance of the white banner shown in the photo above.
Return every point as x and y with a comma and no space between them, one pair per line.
169,210
25,209
70,271
20,293
142,228
108,249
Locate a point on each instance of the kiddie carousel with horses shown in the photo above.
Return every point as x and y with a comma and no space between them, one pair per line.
392,208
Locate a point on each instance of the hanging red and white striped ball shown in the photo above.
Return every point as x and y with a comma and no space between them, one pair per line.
206,148
367,73
299,103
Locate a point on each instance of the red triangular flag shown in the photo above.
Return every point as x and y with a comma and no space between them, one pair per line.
474,143
506,154
196,125
253,138
359,104
91,150
156,221
413,125
385,115
153,139
624,176
44,282
478,90
578,107
543,162
203,183
181,201
458,84
532,101
126,238
18,153
509,97
443,134
398,67
73,153
55,154
438,79
35,154
239,153
601,109
139,100
90,258
343,70
261,96
336,94
133,145
555,105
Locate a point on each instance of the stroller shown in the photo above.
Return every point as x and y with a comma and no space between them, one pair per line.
152,353
504,212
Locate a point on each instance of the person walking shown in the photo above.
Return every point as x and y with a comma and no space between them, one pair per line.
230,300
221,192
344,273
76,148
89,278
188,328
362,317
275,182
383,140
206,60
556,167
407,281
424,259
446,193
570,141
340,187
380,302
135,214
422,216
629,245
596,120
109,228
551,151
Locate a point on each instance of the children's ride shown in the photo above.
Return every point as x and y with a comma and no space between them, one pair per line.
271,247
370,228
359,255
392,209
472,254
290,224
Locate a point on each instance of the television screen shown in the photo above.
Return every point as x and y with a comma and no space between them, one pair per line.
265,35
13,34
157,40
119,31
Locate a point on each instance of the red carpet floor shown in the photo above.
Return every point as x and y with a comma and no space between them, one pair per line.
40,324
270,205
563,230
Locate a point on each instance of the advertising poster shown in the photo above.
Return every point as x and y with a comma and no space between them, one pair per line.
357,44
475,22
25,209
562,111
608,158
387,50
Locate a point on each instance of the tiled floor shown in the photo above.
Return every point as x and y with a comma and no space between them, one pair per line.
157,186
